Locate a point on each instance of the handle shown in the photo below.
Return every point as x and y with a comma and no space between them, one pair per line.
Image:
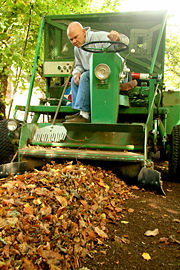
65,87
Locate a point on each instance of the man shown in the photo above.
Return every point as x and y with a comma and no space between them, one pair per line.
80,82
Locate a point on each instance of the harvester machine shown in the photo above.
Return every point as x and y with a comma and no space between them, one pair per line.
127,128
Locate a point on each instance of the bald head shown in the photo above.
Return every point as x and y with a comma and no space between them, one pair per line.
76,34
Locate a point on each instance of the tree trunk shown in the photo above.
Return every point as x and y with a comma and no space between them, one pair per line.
3,91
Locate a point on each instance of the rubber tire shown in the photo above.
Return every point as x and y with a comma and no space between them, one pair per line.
7,149
174,160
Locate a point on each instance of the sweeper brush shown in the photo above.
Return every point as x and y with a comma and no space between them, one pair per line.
54,133
50,134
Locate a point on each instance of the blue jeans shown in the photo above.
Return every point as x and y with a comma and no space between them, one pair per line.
81,93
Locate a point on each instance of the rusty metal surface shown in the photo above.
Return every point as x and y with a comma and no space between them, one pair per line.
42,152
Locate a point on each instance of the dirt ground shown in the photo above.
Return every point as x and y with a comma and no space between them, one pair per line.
128,247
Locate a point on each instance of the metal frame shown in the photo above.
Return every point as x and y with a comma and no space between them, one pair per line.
155,85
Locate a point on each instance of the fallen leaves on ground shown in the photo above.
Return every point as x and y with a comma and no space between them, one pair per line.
55,217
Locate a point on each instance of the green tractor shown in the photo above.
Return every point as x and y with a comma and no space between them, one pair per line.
126,128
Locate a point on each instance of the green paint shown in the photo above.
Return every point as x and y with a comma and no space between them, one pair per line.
105,94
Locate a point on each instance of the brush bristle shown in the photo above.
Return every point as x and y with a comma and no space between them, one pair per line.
50,134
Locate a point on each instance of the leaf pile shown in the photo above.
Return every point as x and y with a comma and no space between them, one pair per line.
53,218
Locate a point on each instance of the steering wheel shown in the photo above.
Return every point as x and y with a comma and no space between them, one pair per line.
114,46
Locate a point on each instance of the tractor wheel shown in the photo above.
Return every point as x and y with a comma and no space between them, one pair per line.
7,149
174,160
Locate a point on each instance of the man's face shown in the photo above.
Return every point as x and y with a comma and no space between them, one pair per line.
76,36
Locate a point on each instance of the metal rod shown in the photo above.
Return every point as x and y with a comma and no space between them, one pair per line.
62,95
34,70
157,45
151,106
80,145
150,111
80,153
145,144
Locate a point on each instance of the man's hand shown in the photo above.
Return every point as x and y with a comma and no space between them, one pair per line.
114,36
77,78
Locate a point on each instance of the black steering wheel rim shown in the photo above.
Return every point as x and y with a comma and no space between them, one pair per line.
102,50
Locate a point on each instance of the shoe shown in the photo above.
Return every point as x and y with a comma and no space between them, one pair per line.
70,116
78,119
128,86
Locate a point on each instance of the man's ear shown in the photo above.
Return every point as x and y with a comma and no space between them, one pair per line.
84,33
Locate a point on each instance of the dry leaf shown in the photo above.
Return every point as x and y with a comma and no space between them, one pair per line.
146,256
62,200
118,209
164,240
12,221
8,202
113,203
6,251
28,265
84,203
45,210
64,224
94,207
117,238
50,256
135,187
173,239
54,267
151,233
101,183
176,220
82,223
100,232
91,234
130,210
3,223
28,210
124,222
125,240
103,215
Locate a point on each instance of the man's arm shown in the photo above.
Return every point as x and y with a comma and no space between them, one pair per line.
115,36
78,67
78,63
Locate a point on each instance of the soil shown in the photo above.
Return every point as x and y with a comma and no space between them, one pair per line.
127,243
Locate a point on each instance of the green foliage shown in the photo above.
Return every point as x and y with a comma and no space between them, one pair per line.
106,5
19,28
172,61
